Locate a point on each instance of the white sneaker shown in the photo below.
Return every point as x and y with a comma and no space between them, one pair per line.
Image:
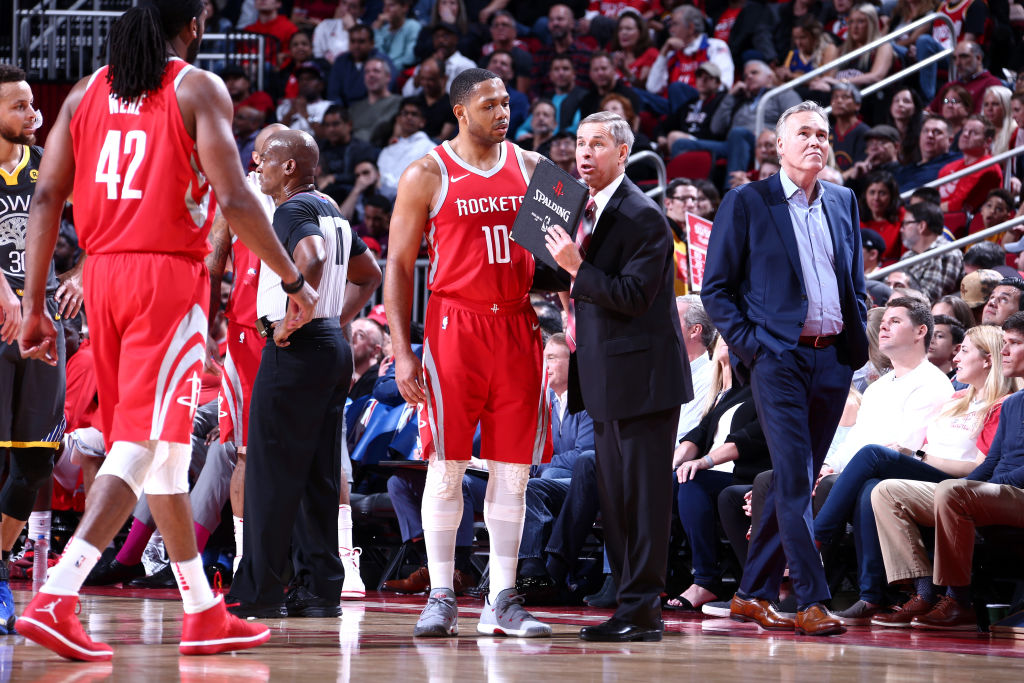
507,616
353,587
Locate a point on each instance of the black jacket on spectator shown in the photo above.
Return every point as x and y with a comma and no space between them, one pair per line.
591,101
744,431
695,118
750,32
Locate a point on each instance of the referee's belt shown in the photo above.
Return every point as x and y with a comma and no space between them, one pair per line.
485,307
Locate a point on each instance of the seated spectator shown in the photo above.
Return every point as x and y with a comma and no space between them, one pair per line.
620,104
745,27
970,72
339,154
847,136
957,431
693,121
933,145
366,185
562,151
882,145
371,115
956,107
873,247
790,15
946,341
446,50
985,256
271,23
246,125
306,110
564,93
449,12
836,19
503,37
542,123
330,37
500,62
1006,299
395,33
906,115
407,145
430,79
956,308
967,193
1018,249
901,279
300,54
766,160
906,13
680,199
699,335
975,290
995,106
811,49
564,42
686,49
708,198
726,448
631,49
881,210
367,342
239,86
990,495
998,208
604,80
376,224
345,82
922,230
872,66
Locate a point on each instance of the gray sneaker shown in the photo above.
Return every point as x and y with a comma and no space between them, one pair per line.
440,618
859,613
508,617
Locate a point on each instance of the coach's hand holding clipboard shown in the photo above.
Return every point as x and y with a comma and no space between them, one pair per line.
554,198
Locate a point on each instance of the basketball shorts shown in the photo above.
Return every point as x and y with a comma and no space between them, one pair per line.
32,395
147,322
245,346
483,365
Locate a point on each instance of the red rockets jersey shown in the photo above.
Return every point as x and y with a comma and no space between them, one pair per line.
471,254
139,186
242,304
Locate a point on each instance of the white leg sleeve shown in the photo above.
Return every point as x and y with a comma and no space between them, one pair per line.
169,474
442,512
131,462
504,512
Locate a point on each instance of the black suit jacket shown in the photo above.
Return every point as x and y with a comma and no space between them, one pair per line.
629,359
753,285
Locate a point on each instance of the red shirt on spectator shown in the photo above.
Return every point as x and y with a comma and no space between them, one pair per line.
725,23
970,191
613,8
281,28
890,232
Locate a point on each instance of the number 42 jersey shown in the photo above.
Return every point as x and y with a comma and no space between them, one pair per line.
139,186
471,254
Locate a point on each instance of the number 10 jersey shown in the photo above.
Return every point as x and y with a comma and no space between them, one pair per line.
471,254
139,186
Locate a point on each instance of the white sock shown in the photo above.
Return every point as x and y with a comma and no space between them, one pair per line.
344,528
504,512
195,589
441,512
67,577
238,535
39,524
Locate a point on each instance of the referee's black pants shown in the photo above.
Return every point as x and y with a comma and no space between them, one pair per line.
293,468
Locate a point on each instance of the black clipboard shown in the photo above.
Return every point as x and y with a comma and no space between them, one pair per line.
553,198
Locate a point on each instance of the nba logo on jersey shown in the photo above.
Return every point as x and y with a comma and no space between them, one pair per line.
444,323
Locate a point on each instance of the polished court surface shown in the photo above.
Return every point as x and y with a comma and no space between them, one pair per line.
372,642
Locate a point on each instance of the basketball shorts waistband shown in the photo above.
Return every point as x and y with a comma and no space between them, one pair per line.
499,308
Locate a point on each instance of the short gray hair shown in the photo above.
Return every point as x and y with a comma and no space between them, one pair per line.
806,105
697,315
694,17
617,127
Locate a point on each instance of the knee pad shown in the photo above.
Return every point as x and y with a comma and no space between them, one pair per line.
130,462
169,474
506,491
442,495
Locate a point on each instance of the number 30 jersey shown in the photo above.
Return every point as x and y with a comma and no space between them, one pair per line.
16,189
471,254
139,186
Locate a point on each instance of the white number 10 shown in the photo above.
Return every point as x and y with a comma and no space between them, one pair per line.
498,250
110,156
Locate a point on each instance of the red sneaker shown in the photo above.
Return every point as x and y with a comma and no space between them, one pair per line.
51,621
214,630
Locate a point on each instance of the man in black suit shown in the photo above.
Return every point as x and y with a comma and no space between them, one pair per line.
628,369
784,284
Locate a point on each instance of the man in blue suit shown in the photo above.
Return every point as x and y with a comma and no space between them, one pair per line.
784,285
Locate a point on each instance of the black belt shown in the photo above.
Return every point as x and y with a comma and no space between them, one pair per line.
822,341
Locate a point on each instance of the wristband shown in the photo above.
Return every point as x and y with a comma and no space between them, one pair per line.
294,287
709,461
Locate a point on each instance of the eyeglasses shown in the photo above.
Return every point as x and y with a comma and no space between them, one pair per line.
951,101
910,222
684,199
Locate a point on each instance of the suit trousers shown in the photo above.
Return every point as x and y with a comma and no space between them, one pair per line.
634,465
800,394
576,518
293,467
955,507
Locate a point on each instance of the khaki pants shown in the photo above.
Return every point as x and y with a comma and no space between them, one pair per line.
954,507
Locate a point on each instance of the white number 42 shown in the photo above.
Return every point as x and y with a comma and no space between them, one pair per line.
110,158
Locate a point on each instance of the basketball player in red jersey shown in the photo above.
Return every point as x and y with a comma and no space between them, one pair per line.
136,142
482,349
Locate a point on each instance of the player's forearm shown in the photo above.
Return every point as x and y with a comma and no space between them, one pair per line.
40,240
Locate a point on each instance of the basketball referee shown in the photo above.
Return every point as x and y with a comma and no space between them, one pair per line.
293,470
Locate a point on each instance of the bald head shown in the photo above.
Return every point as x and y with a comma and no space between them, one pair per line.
296,145
261,140
288,164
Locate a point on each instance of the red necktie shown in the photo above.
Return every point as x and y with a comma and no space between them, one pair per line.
584,232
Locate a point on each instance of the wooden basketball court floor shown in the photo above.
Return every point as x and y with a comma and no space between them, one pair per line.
372,641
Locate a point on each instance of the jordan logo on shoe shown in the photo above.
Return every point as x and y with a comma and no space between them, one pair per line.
50,609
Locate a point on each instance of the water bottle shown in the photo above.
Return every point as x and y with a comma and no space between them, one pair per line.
40,551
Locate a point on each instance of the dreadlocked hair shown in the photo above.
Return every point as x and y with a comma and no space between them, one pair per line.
138,44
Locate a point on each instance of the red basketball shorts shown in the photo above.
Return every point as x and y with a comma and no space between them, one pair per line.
147,322
483,366
245,346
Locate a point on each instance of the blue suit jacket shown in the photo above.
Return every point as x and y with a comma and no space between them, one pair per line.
753,284
570,437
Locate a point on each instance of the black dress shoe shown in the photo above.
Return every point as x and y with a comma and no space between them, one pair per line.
538,590
254,610
161,579
110,573
606,597
619,631
302,602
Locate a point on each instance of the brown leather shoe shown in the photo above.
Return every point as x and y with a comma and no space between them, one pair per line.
417,582
463,581
948,615
760,612
818,621
916,606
